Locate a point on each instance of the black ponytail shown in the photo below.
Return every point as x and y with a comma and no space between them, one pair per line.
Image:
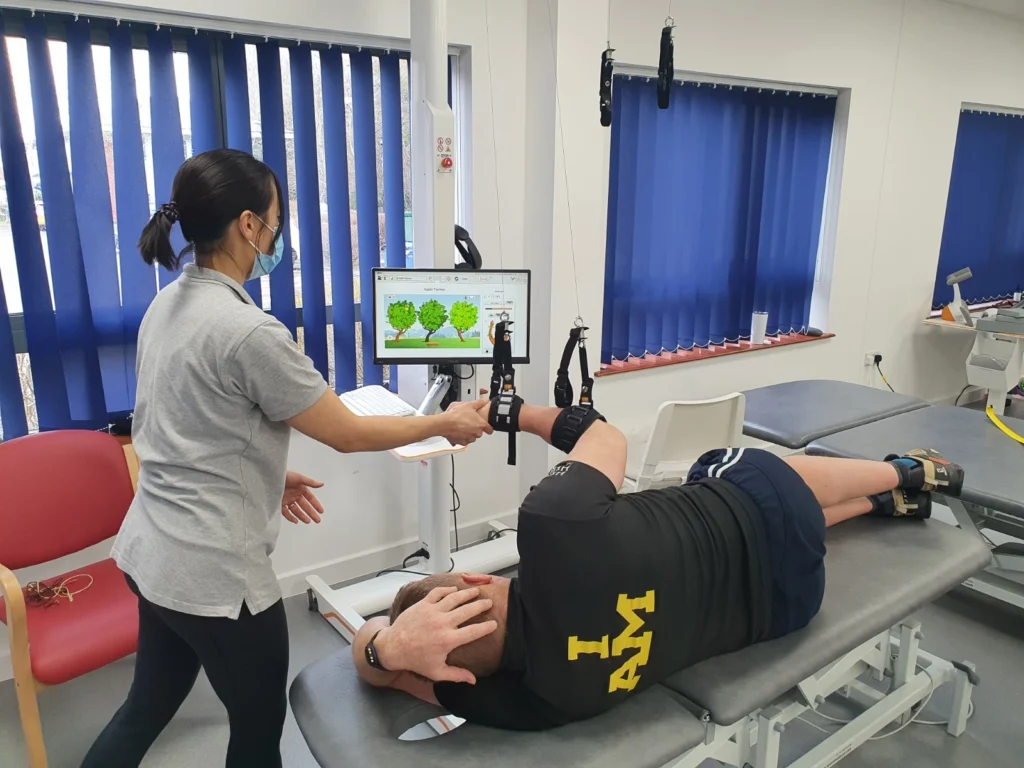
155,242
210,191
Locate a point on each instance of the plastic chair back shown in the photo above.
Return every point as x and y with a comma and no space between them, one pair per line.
61,492
684,431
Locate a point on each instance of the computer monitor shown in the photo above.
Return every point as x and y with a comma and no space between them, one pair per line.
435,316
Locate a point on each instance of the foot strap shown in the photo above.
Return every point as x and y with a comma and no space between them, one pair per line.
504,417
570,425
926,470
902,503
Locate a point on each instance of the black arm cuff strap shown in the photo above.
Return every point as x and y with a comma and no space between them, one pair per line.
504,417
570,425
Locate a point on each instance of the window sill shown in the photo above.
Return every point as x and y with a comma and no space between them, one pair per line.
979,307
697,354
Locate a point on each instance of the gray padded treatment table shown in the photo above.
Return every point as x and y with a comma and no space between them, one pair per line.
878,572
348,724
993,463
797,412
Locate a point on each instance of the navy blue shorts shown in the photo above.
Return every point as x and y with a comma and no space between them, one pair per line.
794,525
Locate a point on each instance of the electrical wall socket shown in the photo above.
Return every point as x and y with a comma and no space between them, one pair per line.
869,358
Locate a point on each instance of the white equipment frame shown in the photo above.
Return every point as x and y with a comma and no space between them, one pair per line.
435,158
756,739
996,363
1004,578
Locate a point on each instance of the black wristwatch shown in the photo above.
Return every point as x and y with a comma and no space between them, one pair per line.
370,651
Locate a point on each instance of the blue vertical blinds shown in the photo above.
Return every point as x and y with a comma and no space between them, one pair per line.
85,292
311,248
367,202
323,119
715,209
339,230
984,228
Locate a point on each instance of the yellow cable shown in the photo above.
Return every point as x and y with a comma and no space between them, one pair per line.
1002,427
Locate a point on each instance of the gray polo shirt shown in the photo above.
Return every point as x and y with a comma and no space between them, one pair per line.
217,378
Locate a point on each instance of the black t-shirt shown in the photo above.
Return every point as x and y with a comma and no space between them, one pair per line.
615,593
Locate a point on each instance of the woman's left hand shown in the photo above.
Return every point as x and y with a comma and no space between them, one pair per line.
299,502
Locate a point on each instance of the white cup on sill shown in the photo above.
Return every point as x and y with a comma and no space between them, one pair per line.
758,326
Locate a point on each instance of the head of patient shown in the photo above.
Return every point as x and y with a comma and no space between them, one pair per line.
481,657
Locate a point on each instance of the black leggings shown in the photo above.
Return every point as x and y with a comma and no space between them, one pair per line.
246,661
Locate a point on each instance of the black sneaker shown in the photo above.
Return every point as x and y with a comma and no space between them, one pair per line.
902,503
924,469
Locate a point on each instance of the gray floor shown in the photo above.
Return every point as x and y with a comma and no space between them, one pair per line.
73,714
960,626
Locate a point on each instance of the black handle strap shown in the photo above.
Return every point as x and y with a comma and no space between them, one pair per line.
586,380
504,417
503,375
505,403
607,68
563,387
666,67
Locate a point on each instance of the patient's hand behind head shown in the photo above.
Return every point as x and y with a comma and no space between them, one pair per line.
481,657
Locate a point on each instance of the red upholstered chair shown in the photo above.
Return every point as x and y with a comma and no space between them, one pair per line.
61,492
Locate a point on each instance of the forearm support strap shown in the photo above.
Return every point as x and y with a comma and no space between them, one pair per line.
570,425
504,417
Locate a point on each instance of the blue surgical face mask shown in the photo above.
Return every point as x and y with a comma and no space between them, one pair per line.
265,262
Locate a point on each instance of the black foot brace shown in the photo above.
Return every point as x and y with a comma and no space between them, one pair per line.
925,469
902,503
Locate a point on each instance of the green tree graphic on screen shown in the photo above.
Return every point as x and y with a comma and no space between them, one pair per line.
401,316
433,316
464,317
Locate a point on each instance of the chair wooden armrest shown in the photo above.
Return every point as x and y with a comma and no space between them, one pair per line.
132,459
24,683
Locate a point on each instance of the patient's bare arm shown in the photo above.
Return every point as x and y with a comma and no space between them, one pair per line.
602,446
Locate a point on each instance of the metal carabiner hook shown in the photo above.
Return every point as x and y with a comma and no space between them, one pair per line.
503,317
578,322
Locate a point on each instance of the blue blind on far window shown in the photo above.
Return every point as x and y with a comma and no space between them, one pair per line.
715,211
984,227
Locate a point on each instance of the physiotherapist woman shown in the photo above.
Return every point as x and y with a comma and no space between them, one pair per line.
221,384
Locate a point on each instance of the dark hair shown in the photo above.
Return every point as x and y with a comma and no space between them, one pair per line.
210,191
481,657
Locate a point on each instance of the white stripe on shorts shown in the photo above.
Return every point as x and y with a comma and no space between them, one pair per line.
728,462
726,457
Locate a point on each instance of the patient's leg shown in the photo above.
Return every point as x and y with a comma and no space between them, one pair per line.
848,488
847,510
834,481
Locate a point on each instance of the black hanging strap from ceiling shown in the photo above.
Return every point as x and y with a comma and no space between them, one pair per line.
563,387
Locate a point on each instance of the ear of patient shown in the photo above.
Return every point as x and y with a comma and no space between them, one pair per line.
481,657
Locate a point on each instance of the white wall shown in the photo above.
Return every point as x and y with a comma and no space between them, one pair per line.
908,67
